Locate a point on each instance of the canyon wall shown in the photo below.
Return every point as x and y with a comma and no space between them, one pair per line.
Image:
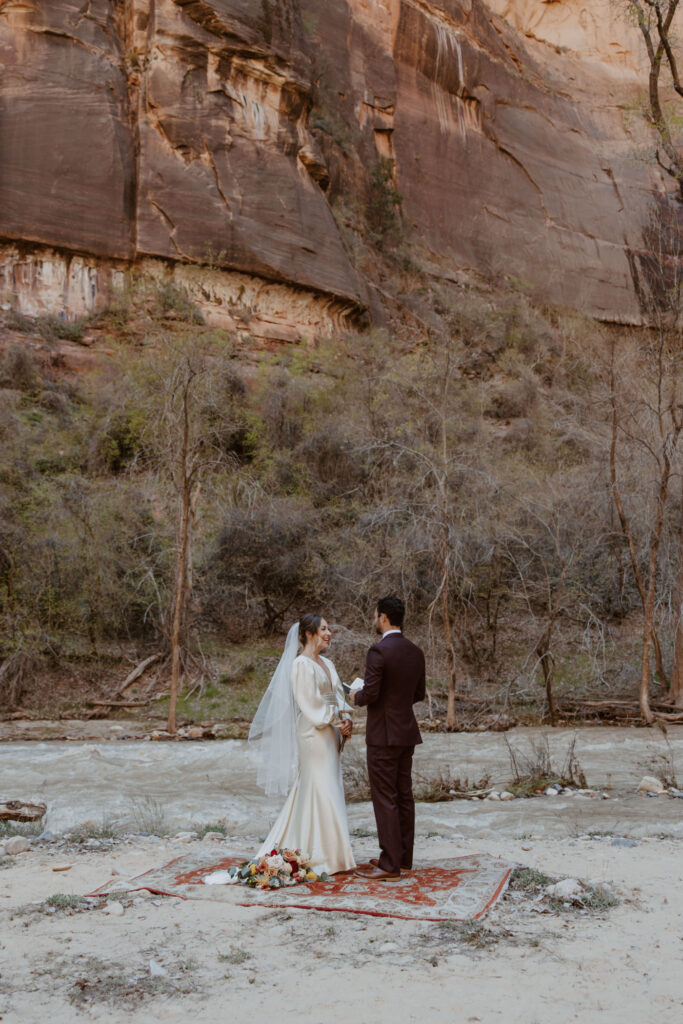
219,133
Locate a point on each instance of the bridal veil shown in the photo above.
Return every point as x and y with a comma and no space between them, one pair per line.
273,731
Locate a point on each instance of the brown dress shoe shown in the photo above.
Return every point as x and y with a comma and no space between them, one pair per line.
377,875
375,863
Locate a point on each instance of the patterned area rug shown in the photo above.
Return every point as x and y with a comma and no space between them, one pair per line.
460,889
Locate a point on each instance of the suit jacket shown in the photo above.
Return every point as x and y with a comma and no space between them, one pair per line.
394,681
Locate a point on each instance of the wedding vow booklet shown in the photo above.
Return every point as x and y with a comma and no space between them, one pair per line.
357,684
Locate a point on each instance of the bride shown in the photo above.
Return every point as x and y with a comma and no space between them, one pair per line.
298,732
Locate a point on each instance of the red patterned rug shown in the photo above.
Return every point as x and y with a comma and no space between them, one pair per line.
460,889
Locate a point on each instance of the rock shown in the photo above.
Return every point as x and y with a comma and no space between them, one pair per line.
17,844
113,909
18,810
551,791
156,970
652,786
213,837
567,889
62,867
47,836
158,735
222,164
676,792
192,732
507,796
623,841
388,947
186,837
493,795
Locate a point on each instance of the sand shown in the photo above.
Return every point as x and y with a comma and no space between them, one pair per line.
230,963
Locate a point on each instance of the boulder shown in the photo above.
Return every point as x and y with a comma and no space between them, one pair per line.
567,889
17,844
652,786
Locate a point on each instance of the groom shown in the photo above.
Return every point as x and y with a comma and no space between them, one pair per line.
394,681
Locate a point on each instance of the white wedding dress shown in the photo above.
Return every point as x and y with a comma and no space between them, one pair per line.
313,819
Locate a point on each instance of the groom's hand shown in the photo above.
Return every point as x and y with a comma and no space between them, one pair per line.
346,729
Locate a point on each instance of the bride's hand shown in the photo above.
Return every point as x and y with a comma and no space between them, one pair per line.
346,729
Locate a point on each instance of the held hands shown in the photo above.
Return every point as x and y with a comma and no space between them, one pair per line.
346,728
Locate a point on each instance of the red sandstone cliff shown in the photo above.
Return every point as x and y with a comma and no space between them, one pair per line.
185,130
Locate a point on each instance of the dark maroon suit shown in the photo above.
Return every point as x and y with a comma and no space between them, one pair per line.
394,681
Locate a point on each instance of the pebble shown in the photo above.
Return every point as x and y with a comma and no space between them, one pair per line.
156,970
676,792
114,909
17,844
623,841
493,795
213,837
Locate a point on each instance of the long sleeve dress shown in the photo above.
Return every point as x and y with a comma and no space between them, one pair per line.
313,818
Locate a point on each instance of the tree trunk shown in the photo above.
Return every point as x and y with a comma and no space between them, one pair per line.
676,693
644,694
181,571
181,566
547,666
451,721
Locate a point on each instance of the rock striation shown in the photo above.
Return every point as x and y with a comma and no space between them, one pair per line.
213,133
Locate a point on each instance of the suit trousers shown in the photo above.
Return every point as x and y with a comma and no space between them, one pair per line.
391,788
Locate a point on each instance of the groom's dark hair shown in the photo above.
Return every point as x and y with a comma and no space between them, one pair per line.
393,608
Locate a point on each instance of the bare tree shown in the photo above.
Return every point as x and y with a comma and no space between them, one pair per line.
656,20
186,427
647,421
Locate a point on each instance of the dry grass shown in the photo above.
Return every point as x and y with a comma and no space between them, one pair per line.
432,789
534,770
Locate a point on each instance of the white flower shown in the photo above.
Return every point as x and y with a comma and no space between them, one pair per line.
275,863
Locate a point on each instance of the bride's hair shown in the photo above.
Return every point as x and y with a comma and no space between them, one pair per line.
308,624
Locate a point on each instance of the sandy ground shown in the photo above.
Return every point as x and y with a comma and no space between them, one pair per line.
239,964
252,965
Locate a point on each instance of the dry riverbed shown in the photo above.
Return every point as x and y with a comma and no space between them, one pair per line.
140,958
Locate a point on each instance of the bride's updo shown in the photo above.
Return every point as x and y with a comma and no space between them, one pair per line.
308,624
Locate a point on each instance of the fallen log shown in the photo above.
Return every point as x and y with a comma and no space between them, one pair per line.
17,810
136,673
117,703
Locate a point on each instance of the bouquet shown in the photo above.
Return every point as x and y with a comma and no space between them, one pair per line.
277,869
